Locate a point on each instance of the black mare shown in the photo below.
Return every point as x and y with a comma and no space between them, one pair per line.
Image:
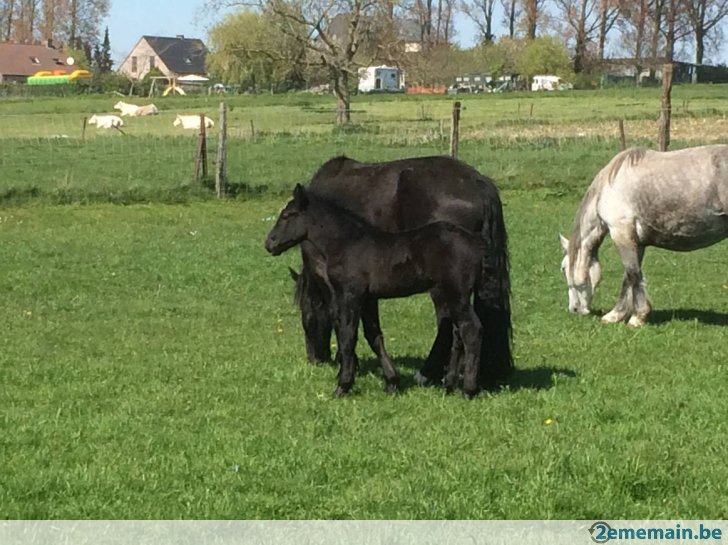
402,195
363,264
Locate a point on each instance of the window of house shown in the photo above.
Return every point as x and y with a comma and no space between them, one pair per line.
151,62
133,64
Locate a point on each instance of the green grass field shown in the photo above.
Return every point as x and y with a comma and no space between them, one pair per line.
152,362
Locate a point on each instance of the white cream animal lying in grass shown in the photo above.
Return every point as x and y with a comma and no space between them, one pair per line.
133,110
192,122
106,121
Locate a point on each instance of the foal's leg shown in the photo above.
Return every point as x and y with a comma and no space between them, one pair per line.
632,304
433,369
348,308
454,367
471,332
373,334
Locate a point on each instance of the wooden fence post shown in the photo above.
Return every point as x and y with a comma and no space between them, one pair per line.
83,128
201,155
455,129
666,107
622,139
221,153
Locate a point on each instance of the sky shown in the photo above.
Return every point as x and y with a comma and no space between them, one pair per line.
129,20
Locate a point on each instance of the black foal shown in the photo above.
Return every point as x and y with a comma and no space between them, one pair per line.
362,264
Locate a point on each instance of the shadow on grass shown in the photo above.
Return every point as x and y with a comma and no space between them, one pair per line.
707,317
534,378
538,378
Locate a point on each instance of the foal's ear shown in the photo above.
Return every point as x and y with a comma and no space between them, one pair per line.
299,195
564,243
294,274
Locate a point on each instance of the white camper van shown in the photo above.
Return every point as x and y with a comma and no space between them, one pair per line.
548,83
380,78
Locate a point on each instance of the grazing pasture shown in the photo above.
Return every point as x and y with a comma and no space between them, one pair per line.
152,362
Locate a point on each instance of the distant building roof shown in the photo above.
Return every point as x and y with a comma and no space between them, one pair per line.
23,60
181,55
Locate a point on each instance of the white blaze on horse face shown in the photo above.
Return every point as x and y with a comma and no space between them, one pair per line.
581,283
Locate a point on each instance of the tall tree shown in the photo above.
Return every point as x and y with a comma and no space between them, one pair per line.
26,21
74,22
8,17
532,12
338,36
634,17
582,20
481,13
105,63
435,19
511,14
704,16
608,16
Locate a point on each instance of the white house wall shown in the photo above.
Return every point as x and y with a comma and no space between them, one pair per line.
143,52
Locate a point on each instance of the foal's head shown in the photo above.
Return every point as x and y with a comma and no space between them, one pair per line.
292,224
583,274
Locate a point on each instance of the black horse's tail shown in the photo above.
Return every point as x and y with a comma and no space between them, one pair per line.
493,295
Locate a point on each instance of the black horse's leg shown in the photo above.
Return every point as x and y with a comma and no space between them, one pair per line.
433,370
454,367
348,309
373,334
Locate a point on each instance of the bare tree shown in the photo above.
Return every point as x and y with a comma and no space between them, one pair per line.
434,20
25,24
511,14
481,13
608,15
8,17
582,19
703,17
339,36
532,11
634,16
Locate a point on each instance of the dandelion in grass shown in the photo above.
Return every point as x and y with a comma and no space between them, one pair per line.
548,421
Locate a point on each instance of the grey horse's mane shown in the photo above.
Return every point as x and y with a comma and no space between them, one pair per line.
627,158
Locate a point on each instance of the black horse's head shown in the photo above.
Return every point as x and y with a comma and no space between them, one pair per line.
292,224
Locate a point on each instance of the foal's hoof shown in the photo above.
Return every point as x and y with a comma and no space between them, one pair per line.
470,394
391,388
422,380
341,392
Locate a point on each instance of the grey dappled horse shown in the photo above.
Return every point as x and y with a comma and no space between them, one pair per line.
676,200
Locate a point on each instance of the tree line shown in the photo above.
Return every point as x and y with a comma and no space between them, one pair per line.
296,43
72,23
